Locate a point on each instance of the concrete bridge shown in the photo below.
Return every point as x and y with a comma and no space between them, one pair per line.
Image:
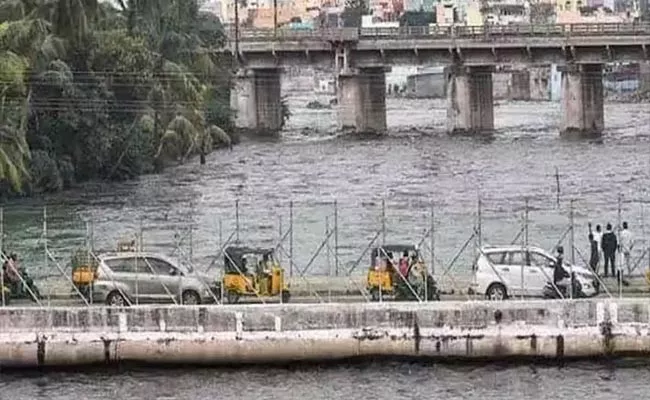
361,57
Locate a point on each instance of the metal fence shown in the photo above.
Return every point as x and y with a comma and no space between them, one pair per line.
324,247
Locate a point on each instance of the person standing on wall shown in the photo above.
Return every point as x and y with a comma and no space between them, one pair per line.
598,237
609,245
594,246
626,244
594,257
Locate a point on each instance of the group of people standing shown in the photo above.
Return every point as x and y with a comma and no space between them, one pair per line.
604,246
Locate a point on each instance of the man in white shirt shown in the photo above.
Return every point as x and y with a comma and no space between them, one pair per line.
598,238
626,243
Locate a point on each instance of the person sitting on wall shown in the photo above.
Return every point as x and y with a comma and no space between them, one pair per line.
561,277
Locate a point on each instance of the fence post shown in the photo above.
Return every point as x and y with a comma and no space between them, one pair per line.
572,237
433,241
525,246
619,270
383,222
336,238
329,263
237,220
45,249
191,240
572,244
479,222
290,238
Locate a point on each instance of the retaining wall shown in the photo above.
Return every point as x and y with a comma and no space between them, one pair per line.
32,337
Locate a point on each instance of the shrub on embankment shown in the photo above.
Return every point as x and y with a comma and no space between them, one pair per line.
92,91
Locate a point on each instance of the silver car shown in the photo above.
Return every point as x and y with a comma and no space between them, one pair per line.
133,278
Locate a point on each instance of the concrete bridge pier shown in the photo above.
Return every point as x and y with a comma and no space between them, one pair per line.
582,101
257,100
520,85
362,99
470,107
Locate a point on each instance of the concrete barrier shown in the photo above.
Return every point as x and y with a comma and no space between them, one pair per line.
212,335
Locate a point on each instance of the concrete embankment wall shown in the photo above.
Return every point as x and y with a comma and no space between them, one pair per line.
32,337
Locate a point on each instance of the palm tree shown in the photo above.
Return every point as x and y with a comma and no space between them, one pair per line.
180,38
13,147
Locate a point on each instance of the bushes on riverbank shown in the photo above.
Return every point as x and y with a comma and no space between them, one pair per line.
91,91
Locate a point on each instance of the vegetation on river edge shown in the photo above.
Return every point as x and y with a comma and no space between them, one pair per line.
88,90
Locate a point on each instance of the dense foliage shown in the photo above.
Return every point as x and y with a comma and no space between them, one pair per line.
88,90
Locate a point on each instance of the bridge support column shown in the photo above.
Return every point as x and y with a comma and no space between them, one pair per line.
520,85
644,76
256,99
582,101
470,107
362,99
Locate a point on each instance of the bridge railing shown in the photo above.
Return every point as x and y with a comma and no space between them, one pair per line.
269,34
442,32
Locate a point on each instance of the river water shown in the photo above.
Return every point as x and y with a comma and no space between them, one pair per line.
415,170
351,382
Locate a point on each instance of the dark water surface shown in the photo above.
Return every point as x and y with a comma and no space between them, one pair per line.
369,381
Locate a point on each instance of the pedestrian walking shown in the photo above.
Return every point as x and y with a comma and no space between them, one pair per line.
609,245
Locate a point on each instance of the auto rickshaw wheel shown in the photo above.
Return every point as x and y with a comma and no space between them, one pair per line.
374,294
190,298
232,297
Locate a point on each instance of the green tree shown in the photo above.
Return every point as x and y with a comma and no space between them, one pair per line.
93,91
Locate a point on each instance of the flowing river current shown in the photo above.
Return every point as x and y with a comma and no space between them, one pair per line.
368,381
416,170
415,166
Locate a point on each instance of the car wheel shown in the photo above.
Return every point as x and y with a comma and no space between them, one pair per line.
115,299
190,298
496,291
232,297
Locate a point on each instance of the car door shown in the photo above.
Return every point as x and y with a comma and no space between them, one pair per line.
517,272
166,282
500,269
536,274
129,271
544,265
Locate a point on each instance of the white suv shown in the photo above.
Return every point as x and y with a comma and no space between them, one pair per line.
502,272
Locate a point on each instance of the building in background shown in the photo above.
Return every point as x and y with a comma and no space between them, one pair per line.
505,12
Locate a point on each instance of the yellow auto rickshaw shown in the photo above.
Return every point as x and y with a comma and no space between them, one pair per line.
385,280
253,272
85,264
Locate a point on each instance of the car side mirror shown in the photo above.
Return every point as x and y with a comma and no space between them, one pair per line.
172,271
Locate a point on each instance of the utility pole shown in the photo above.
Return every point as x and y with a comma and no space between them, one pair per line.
237,33
275,18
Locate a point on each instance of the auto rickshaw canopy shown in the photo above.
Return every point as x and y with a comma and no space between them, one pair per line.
383,251
234,257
